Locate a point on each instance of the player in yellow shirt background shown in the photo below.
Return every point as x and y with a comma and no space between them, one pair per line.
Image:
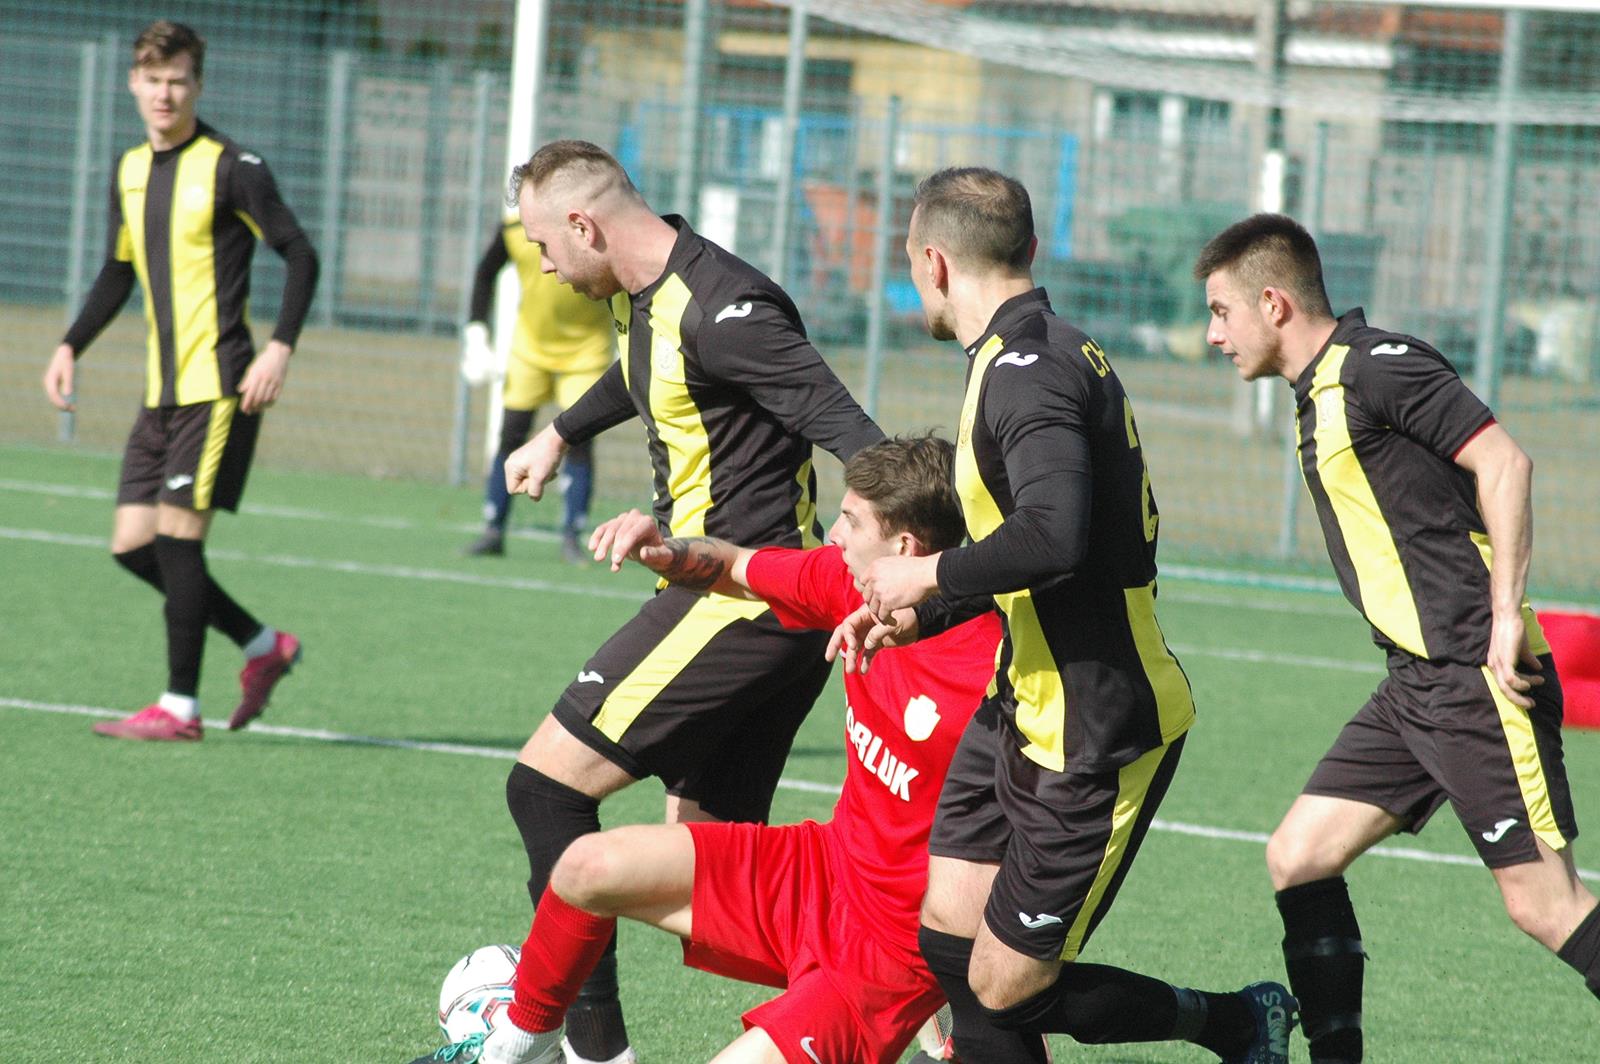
562,344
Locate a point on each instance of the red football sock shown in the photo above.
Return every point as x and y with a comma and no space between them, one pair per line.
563,947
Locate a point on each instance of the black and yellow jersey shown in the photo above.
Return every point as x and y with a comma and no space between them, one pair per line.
185,220
1381,418
558,329
732,394
1057,501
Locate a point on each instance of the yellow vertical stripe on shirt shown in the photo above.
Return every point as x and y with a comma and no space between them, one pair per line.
133,182
1528,764
977,506
1386,597
217,430
1530,621
1174,700
1035,680
635,691
1034,676
1133,786
676,415
194,274
805,511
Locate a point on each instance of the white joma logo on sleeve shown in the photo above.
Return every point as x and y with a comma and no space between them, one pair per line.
1012,358
733,310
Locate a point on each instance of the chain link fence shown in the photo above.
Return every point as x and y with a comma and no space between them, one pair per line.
1448,159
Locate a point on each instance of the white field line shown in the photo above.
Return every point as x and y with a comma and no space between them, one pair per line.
500,753
449,576
1198,574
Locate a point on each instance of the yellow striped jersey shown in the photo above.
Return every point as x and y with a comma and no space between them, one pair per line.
1381,418
187,219
1053,486
733,396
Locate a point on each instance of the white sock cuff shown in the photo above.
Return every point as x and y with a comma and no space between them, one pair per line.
184,707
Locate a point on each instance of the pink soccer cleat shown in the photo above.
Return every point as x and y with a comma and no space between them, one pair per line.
260,675
152,723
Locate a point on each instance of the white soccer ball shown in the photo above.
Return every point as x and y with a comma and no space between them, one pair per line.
477,992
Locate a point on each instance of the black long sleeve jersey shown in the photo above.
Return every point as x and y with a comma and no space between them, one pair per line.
1057,501
732,394
184,222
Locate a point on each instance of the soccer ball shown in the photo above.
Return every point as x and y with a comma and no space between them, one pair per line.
477,992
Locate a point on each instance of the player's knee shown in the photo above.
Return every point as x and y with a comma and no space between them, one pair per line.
1292,858
587,873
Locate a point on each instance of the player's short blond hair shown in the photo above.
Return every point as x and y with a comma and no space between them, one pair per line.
575,160
162,40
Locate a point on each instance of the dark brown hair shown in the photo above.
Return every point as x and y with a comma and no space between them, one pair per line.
910,482
163,40
1268,251
979,217
562,156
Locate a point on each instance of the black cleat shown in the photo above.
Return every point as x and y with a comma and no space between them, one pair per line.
492,544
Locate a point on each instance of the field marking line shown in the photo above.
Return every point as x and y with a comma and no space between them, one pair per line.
499,753
514,583
1199,574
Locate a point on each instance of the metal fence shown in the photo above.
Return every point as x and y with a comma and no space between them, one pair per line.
1448,158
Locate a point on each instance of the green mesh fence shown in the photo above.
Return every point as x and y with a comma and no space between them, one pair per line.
1447,158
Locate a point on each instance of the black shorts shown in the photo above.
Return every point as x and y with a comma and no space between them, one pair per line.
705,692
1435,731
1064,840
194,456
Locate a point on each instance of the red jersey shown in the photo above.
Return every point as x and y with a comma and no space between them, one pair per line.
902,721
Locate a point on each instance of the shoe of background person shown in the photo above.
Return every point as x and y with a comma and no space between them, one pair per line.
260,675
463,1052
1276,1011
492,544
627,1056
572,551
152,723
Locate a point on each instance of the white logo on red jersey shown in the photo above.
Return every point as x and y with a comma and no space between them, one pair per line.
922,716
890,770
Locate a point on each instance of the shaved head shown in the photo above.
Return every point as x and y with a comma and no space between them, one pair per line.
571,171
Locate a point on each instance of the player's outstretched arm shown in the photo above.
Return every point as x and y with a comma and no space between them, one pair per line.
698,563
1505,488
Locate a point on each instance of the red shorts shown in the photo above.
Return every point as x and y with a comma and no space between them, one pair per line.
767,910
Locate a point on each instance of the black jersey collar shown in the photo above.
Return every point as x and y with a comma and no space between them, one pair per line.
1349,322
683,249
1011,313
200,130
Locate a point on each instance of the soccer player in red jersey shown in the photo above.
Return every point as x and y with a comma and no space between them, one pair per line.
829,912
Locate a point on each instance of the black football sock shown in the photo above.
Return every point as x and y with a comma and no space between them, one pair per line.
1099,1005
1323,953
222,612
1582,950
551,816
143,563
977,1040
1220,1022
594,1023
183,574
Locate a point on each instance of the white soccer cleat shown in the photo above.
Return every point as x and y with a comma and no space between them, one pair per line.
627,1056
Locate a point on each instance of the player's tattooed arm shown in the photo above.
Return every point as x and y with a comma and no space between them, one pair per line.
698,563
